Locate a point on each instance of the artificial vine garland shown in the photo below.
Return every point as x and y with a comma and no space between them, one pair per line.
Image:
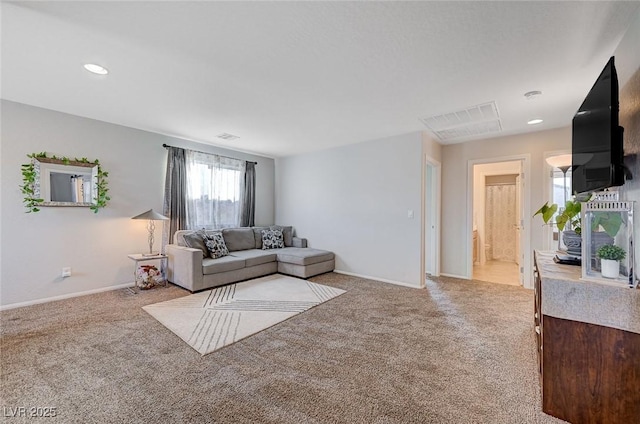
32,203
28,188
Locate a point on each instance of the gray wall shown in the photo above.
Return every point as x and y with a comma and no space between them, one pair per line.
34,247
354,200
628,66
455,162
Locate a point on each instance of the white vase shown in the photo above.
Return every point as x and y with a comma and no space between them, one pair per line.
610,268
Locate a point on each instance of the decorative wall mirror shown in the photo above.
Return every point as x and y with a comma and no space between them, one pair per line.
66,184
63,182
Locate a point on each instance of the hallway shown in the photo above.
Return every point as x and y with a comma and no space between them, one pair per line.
501,272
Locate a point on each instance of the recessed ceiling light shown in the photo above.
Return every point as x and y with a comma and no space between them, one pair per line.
534,121
96,69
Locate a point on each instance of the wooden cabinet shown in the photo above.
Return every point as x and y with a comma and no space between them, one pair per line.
537,315
589,373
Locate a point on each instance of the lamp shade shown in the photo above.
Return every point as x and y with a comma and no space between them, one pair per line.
151,215
559,161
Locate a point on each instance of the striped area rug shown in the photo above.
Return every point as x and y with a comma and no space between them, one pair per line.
215,318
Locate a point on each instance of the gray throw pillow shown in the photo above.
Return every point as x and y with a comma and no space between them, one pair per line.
287,234
196,241
216,245
257,233
272,239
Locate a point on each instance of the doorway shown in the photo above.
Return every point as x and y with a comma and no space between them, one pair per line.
497,222
431,218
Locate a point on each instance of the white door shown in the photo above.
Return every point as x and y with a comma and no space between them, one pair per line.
429,224
519,224
432,218
518,219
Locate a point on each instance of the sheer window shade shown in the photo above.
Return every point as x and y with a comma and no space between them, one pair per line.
215,190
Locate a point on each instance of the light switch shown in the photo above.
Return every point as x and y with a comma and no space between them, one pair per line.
410,214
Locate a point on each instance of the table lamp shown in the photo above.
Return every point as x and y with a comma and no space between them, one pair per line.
151,216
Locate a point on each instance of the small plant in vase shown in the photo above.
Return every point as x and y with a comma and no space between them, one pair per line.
568,222
610,256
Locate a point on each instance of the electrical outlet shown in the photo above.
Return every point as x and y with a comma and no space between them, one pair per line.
66,271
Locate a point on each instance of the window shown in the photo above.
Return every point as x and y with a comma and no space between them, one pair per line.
559,187
214,191
558,193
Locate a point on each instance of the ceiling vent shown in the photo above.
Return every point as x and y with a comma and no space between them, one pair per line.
473,121
227,136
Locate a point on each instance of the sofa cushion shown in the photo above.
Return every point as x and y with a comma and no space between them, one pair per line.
255,257
303,256
178,237
239,238
225,263
257,235
287,233
195,240
215,244
272,239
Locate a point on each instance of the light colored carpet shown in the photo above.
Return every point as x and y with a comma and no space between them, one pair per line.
215,318
458,352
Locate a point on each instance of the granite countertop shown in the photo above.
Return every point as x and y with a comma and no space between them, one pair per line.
565,296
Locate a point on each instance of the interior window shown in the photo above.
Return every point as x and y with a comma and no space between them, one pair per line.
558,193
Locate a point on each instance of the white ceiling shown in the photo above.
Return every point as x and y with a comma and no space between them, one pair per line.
294,77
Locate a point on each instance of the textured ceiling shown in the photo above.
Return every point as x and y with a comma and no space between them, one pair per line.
294,77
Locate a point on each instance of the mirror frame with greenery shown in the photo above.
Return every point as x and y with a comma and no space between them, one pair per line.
31,188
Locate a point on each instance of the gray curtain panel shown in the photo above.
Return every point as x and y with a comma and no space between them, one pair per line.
249,206
175,194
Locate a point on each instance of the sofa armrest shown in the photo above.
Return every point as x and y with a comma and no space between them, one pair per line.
299,242
185,266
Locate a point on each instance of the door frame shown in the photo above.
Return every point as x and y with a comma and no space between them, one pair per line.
433,195
480,220
525,236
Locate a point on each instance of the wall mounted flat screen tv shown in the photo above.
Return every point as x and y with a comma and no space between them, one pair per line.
596,148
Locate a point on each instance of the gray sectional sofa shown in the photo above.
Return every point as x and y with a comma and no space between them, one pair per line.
189,268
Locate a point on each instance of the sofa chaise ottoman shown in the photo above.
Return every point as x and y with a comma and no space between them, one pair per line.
189,267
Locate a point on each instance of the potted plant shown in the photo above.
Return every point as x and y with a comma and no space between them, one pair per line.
569,218
569,223
610,256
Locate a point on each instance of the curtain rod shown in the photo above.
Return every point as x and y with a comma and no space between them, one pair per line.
209,153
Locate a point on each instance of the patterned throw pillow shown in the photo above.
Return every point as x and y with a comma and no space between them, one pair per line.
272,239
287,234
215,245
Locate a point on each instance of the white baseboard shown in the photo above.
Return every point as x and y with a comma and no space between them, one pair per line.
64,296
397,283
461,277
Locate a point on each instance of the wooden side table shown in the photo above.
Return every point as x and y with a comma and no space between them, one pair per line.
139,257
